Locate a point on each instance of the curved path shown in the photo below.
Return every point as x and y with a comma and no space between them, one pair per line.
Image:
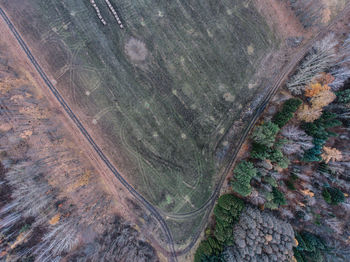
70,113
207,206
278,82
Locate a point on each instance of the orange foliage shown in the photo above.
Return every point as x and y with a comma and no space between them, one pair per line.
315,88
319,84
54,220
19,239
307,192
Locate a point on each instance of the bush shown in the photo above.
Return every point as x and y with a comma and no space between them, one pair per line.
265,134
243,173
289,108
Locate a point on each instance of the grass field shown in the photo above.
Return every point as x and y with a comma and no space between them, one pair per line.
160,93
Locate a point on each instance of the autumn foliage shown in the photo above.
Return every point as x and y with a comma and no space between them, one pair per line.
323,99
321,96
331,154
309,114
315,88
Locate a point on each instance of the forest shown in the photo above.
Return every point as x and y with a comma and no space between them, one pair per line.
288,195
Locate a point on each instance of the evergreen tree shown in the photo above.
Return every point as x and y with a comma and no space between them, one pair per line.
289,108
343,96
310,247
265,134
202,251
278,197
243,173
333,195
259,151
277,157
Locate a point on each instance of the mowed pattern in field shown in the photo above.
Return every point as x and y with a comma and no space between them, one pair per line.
160,93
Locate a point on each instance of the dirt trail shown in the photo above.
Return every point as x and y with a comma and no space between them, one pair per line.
18,59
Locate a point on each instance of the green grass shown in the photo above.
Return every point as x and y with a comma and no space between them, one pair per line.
163,118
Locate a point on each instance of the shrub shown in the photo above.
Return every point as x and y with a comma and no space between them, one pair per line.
265,134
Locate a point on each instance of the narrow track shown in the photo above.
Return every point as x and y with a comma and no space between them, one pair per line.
208,205
80,126
278,82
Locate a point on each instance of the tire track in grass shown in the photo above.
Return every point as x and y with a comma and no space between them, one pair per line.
87,136
279,81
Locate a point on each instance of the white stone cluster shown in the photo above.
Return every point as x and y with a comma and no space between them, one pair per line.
98,12
114,13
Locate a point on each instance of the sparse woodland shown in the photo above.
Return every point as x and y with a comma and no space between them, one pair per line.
297,168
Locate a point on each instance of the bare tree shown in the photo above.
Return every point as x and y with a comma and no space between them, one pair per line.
341,74
298,140
321,57
309,12
62,237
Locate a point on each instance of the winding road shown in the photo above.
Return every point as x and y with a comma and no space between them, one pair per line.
208,205
70,113
278,82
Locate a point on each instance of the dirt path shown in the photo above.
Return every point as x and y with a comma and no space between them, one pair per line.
101,162
113,184
278,83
